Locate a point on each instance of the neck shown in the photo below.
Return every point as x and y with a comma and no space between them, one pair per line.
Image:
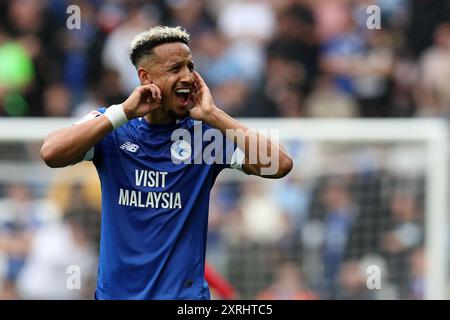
159,116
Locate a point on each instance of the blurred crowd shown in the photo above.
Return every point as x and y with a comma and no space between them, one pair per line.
49,237
317,239
308,238
298,238
261,58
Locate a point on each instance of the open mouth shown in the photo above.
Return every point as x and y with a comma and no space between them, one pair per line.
183,95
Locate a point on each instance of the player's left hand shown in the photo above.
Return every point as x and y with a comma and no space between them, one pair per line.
204,105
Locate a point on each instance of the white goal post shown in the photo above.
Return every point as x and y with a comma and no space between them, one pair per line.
433,133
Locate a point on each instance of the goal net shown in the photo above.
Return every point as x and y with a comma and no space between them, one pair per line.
363,215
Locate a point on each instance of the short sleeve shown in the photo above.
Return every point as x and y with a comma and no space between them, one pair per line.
89,156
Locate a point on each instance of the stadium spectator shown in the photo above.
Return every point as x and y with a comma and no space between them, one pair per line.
21,216
339,216
326,101
352,282
279,96
417,266
57,101
296,39
191,14
318,39
115,55
288,285
434,96
402,237
247,20
56,248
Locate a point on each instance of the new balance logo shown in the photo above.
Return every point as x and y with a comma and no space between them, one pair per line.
129,146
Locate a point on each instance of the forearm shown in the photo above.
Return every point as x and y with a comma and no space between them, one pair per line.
68,146
260,151
263,157
235,131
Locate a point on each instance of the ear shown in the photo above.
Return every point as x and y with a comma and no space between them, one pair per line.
144,76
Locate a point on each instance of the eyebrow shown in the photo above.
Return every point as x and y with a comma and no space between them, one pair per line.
177,63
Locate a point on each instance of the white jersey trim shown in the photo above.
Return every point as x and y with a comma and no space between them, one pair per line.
91,115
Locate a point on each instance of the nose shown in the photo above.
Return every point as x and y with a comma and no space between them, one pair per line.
187,77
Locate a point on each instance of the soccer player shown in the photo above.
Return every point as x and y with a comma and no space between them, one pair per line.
155,192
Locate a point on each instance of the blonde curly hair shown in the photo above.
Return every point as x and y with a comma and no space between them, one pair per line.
144,42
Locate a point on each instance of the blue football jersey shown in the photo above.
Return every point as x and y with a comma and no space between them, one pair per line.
155,199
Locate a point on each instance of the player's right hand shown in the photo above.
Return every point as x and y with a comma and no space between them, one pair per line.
143,100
